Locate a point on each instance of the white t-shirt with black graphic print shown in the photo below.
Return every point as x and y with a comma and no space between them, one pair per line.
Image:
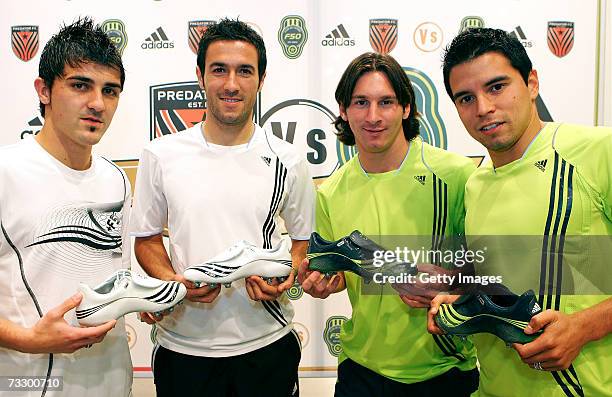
60,227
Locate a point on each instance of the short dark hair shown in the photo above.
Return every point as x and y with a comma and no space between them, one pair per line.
375,62
229,29
475,42
75,44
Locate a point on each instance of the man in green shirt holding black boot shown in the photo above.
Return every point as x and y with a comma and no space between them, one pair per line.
397,185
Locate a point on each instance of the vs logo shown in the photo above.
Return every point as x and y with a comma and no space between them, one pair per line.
131,336
300,121
428,36
303,333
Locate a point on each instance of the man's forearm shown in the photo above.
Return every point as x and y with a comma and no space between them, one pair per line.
153,257
298,252
598,318
11,335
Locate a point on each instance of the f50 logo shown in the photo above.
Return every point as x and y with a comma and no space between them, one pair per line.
292,35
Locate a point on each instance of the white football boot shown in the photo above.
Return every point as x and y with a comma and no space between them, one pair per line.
123,293
240,261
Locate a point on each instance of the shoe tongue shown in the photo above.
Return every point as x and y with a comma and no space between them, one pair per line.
120,276
146,281
231,252
363,242
469,303
522,307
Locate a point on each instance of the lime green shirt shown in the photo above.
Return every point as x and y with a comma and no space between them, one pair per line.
559,189
423,197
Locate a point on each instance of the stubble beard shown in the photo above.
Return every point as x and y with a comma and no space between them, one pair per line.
240,119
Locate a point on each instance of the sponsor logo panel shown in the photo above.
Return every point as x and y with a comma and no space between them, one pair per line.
24,41
471,21
331,334
560,37
175,107
195,30
338,37
115,30
383,35
157,40
519,34
428,36
292,35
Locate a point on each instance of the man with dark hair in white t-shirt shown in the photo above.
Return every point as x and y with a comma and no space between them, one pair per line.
219,182
69,231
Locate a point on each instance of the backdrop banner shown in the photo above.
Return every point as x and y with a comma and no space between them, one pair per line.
309,44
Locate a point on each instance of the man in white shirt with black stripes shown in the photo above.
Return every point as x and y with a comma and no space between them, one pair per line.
219,182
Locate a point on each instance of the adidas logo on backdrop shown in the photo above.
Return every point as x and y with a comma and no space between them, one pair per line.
157,40
338,37
518,34
34,127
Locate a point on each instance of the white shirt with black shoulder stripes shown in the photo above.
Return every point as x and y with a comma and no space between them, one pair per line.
211,197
